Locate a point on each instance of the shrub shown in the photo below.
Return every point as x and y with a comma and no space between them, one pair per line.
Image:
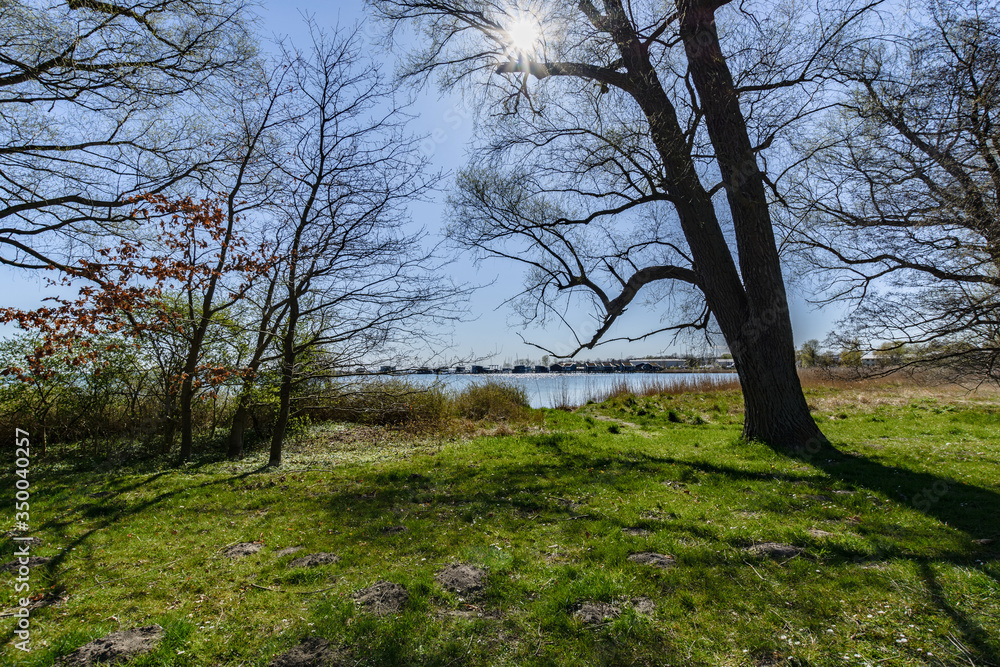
387,403
493,401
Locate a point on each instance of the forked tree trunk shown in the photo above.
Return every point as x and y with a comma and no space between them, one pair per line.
753,317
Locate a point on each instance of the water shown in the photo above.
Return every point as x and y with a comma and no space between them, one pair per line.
548,390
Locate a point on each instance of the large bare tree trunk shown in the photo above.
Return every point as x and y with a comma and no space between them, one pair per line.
751,306
775,411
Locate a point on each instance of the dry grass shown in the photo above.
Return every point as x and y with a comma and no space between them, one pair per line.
661,386
828,390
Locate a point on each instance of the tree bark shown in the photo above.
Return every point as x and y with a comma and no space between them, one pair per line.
187,425
284,400
761,340
287,371
775,411
169,419
187,384
241,419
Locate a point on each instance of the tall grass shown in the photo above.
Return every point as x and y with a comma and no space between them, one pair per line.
655,385
399,403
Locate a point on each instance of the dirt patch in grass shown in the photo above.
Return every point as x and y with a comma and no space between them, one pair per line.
636,532
394,530
462,579
242,549
381,598
313,652
592,613
662,561
20,539
776,550
116,647
644,606
819,534
767,658
314,560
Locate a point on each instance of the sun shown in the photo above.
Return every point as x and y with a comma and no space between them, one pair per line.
523,34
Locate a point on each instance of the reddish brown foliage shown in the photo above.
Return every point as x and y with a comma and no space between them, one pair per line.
126,288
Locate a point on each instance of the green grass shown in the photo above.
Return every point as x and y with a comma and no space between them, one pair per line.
901,581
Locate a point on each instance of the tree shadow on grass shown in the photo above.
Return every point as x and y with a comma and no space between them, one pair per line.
108,511
982,646
954,503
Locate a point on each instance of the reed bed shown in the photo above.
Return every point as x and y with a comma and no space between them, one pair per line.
665,385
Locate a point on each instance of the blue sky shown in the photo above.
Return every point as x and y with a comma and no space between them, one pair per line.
447,124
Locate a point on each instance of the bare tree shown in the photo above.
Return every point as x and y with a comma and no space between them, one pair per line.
900,197
103,101
354,276
639,111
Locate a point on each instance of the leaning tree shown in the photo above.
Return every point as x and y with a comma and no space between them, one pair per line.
625,156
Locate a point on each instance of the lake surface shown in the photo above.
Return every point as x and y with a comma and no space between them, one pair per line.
549,390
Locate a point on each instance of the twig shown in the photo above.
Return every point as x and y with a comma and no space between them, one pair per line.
755,571
961,647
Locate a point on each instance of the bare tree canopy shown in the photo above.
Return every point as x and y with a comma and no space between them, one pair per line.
661,113
900,196
355,276
100,102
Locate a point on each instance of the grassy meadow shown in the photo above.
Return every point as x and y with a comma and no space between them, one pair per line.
896,536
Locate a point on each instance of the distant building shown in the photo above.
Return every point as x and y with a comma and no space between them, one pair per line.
664,363
725,363
563,367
